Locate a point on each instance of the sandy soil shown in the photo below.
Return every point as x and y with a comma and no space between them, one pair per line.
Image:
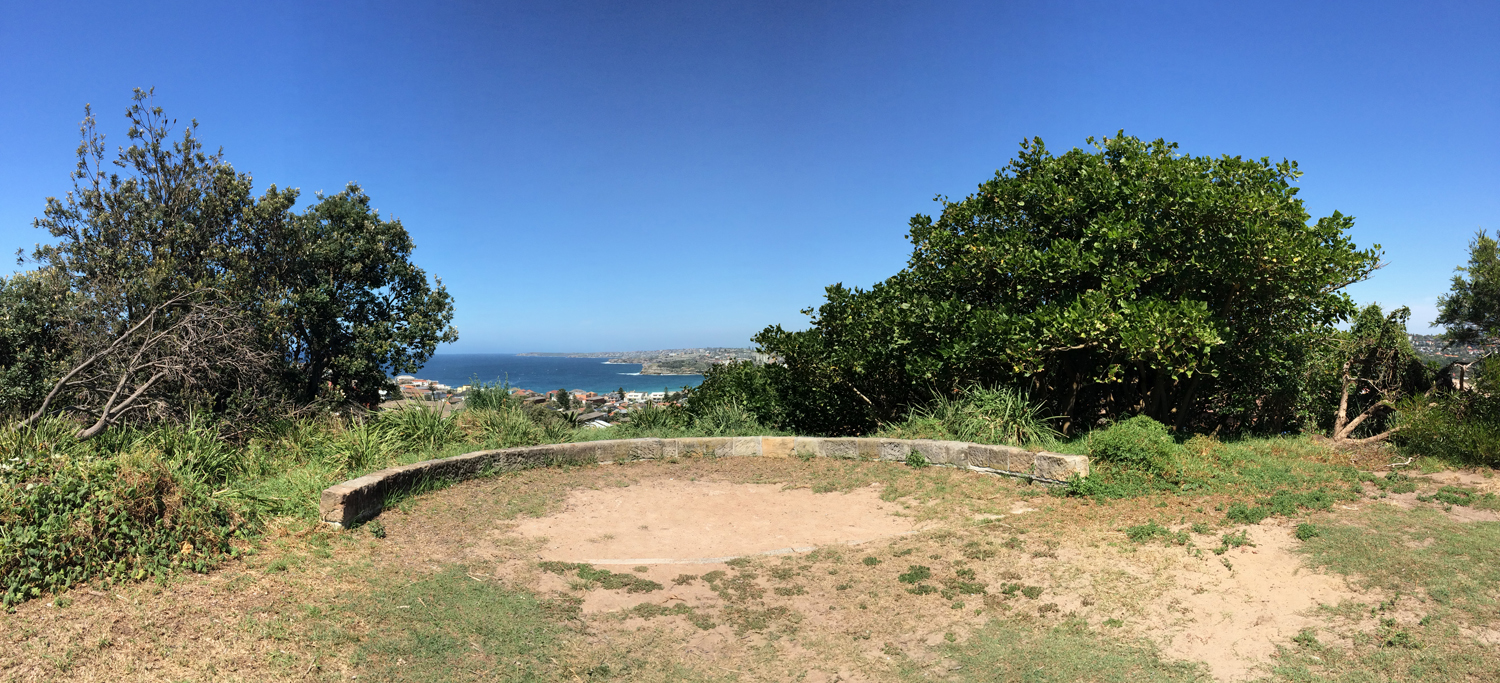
676,521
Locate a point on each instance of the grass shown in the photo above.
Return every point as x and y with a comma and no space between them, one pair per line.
1451,565
1004,650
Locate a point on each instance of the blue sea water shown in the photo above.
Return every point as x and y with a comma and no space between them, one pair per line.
544,373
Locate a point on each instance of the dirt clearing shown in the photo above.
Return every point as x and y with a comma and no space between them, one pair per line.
752,569
674,521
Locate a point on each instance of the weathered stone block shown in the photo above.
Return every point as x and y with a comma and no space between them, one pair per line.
1060,467
777,446
744,446
646,449
1007,458
894,449
869,449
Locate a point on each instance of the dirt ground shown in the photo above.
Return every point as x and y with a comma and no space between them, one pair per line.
763,570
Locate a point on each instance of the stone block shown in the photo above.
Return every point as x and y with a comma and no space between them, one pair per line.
744,446
1060,467
777,446
647,449
1007,458
868,449
707,446
894,449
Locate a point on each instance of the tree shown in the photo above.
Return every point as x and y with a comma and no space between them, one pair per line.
36,312
1471,309
180,348
353,309
1378,368
172,238
1127,280
564,400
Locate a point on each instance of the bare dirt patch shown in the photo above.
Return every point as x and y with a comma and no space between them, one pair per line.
675,521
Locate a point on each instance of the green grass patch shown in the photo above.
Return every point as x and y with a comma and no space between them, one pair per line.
1417,552
450,627
1009,651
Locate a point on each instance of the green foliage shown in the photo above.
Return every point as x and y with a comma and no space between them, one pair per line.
1360,375
489,396
331,296
1151,530
1471,309
916,460
1458,427
36,309
71,513
1307,530
1126,279
741,383
355,309
978,415
915,574
1139,442
1283,503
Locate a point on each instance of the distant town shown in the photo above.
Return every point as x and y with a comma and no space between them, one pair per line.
1432,347
588,408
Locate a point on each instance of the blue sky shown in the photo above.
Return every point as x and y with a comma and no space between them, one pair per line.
611,176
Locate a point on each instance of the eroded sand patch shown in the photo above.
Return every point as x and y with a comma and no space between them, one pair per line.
671,521
1233,618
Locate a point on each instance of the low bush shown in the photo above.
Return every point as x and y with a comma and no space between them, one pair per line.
1458,427
70,514
1139,443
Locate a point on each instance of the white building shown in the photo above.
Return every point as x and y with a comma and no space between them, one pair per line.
635,396
658,395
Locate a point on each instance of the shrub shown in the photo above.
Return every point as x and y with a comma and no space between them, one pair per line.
420,426
1460,428
1140,443
66,520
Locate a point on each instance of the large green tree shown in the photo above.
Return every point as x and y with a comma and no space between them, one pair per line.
1129,279
196,285
1471,309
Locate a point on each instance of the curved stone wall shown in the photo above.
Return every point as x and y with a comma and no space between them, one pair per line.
360,499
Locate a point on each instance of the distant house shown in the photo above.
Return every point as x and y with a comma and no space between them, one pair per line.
658,395
634,396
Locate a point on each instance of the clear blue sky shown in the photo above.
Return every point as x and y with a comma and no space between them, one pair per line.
610,176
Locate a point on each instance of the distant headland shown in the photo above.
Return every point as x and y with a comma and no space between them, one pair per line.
665,361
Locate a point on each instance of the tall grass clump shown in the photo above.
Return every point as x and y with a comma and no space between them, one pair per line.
421,426
489,396
998,415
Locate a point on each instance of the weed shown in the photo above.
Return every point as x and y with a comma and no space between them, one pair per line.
916,460
1233,540
1307,530
915,573
1201,527
789,591
1308,638
870,561
921,589
1451,495
684,579
1031,592
974,550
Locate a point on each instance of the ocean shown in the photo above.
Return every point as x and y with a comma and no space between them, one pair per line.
546,373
